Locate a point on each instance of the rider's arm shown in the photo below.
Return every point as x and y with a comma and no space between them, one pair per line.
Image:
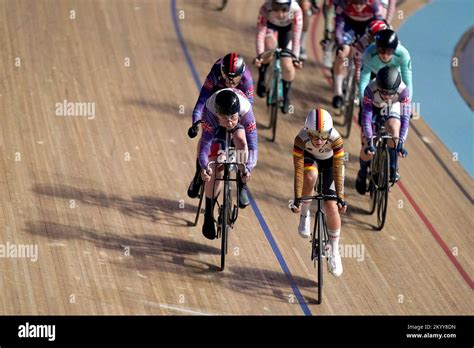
297,29
261,29
247,84
366,120
405,68
208,128
392,4
250,125
365,72
298,162
338,165
206,91
405,112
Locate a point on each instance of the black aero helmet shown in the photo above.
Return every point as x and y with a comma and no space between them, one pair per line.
233,65
389,79
386,39
227,102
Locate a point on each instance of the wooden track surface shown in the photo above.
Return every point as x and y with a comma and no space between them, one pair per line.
104,199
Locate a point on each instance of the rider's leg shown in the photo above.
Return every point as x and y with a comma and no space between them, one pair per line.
393,127
195,185
270,44
241,146
364,161
328,41
208,227
305,6
288,73
310,177
333,220
340,71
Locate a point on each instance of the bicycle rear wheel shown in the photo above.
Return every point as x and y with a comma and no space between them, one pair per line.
382,191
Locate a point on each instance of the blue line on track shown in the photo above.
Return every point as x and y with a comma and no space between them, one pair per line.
261,220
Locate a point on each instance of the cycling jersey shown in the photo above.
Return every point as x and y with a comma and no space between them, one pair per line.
348,18
267,21
333,148
373,100
371,63
211,124
214,82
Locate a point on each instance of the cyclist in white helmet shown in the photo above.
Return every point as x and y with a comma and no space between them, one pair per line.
319,147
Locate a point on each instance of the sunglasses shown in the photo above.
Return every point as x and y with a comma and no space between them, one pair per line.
318,136
388,92
385,50
228,117
278,8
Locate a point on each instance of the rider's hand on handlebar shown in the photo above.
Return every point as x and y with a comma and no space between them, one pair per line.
258,62
296,206
402,152
206,174
246,176
341,205
298,64
369,149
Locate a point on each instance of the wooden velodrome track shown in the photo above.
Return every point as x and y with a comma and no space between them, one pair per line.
105,198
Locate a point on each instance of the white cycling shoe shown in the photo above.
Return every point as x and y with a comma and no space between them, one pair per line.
335,262
304,228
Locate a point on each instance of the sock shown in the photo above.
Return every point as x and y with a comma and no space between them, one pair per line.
305,205
209,206
393,157
363,166
334,236
261,72
286,88
338,84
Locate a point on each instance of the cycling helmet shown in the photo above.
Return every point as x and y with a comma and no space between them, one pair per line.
377,25
386,39
281,4
388,80
227,102
319,123
233,65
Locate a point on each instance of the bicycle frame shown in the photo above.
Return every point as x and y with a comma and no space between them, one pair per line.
227,213
320,237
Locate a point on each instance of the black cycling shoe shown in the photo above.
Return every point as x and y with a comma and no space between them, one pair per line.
194,187
337,102
285,106
209,227
243,196
361,184
261,92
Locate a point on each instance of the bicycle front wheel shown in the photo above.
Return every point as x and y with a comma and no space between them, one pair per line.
382,191
320,253
225,223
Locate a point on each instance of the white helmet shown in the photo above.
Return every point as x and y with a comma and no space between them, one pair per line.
319,123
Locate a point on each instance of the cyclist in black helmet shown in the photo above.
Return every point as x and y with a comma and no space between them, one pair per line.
227,109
